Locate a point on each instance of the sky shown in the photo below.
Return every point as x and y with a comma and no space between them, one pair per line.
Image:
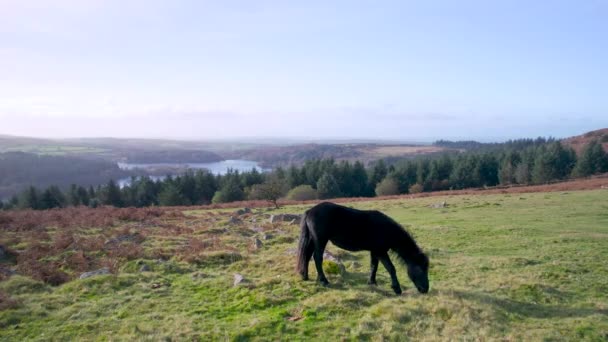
410,70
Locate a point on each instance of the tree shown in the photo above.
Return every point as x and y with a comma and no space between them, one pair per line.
206,186
553,162
112,195
230,192
271,190
52,197
30,198
387,187
359,180
378,173
593,160
303,192
327,187
171,196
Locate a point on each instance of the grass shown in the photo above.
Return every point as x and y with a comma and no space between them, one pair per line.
506,267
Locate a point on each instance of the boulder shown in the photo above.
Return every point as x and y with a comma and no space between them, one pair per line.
234,220
239,279
438,205
137,238
101,271
257,243
242,211
257,229
291,218
199,275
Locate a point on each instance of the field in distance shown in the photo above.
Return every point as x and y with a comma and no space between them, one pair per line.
503,266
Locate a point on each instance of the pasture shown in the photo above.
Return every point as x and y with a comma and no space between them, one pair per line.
503,267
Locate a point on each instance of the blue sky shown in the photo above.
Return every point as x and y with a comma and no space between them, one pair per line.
407,70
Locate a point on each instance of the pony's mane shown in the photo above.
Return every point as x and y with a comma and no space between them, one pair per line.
407,250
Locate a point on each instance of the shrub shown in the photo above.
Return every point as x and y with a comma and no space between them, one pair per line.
387,187
302,193
416,188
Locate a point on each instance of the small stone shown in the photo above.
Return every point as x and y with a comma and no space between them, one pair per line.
257,243
257,229
3,254
199,275
267,236
243,211
438,205
234,220
101,271
239,280
145,268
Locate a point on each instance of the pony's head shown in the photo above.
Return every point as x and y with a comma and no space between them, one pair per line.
418,271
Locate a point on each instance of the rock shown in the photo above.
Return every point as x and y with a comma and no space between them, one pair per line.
438,205
257,243
159,285
234,220
7,272
145,268
199,275
257,229
101,271
242,211
125,238
267,236
328,256
239,280
3,253
291,218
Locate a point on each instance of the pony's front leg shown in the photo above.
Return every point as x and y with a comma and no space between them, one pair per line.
318,256
386,261
374,269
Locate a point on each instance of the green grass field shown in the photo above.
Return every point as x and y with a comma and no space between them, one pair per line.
529,267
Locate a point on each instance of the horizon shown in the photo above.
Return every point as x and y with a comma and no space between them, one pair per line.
304,71
297,139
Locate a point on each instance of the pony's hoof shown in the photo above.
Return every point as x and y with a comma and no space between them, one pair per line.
324,283
397,290
372,282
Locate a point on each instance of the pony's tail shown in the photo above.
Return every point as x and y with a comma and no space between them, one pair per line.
303,246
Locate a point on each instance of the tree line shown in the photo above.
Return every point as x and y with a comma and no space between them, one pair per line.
526,161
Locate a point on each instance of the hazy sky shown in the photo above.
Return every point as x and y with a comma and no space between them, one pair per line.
370,69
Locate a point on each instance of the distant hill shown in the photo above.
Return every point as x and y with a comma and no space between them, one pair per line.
274,156
578,142
18,170
112,149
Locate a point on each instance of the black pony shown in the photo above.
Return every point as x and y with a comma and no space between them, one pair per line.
357,230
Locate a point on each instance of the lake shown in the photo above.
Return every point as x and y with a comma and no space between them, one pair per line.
218,168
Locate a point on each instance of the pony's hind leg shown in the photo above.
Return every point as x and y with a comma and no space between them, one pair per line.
310,249
318,256
386,261
374,269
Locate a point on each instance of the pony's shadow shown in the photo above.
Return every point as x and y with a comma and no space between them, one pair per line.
528,309
350,280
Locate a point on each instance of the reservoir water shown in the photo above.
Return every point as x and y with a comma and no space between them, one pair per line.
218,168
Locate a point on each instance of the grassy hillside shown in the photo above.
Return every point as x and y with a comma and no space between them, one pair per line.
504,266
